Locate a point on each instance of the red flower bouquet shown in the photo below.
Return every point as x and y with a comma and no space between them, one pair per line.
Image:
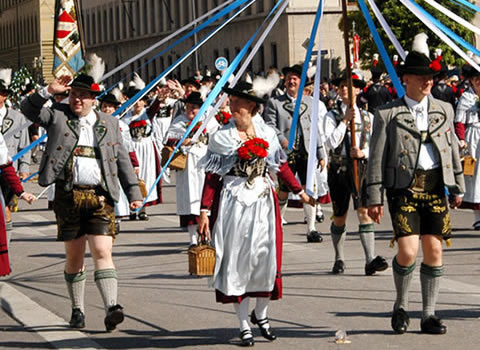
137,124
253,149
223,117
195,128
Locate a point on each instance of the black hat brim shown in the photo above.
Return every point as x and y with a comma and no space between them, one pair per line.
243,95
85,87
356,82
294,70
417,70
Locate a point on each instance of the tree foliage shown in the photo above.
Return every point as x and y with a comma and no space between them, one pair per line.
405,25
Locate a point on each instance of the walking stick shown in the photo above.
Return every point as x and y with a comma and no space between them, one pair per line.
348,73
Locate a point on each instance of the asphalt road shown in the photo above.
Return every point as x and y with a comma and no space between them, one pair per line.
167,308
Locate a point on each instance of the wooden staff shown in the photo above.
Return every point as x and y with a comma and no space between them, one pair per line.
348,73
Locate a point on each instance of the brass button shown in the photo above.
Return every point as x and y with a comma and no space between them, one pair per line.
448,166
109,143
111,159
67,134
114,174
59,148
407,137
405,152
404,167
53,161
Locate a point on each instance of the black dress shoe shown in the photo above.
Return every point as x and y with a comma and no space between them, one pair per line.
320,217
78,319
400,321
133,217
267,333
314,237
246,338
433,325
114,317
338,267
376,265
143,216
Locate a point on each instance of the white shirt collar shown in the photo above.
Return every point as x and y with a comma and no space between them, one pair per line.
90,119
413,105
3,112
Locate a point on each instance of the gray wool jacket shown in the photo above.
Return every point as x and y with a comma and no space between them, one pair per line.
395,147
63,132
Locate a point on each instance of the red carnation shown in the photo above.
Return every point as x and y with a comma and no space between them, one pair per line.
253,148
138,123
95,87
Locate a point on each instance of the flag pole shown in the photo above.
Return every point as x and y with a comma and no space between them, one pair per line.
348,72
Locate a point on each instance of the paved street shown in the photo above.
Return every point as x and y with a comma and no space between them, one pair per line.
167,308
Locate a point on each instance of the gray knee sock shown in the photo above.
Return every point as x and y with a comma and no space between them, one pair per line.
430,282
402,275
76,288
338,238
367,237
106,281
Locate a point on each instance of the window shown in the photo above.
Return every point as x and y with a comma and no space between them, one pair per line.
105,26
145,21
153,24
226,54
274,55
117,22
111,24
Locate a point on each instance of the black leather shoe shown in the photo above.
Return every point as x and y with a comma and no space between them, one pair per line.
338,267
114,317
433,325
143,216
376,265
320,217
246,338
400,321
267,333
133,217
314,237
78,319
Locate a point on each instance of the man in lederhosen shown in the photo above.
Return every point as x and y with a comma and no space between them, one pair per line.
278,114
87,161
341,178
414,155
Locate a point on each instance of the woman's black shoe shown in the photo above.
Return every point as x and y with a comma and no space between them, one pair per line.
143,216
433,325
133,217
338,267
246,338
400,321
267,333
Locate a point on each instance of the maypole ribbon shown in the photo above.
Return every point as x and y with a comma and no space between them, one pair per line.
468,4
387,29
244,65
164,40
211,97
312,161
211,20
445,29
296,113
453,16
439,33
381,49
128,104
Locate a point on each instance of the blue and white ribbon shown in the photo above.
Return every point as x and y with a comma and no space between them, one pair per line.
381,49
312,162
128,104
426,20
388,30
453,16
245,64
164,40
469,5
308,56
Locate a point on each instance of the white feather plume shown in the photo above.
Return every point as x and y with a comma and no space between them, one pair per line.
120,86
264,86
204,91
97,67
137,82
311,71
438,52
163,82
420,44
6,76
118,94
248,79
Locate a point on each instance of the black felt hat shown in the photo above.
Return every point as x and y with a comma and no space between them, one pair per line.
86,82
194,98
357,81
4,87
417,63
244,90
110,98
295,69
191,81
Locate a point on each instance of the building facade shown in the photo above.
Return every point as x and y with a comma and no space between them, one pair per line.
26,35
118,29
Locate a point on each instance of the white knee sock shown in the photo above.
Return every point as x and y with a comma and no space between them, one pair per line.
242,313
192,231
261,310
310,215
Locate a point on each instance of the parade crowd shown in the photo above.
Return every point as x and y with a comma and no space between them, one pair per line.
235,181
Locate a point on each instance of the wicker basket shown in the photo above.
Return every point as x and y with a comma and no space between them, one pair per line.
201,260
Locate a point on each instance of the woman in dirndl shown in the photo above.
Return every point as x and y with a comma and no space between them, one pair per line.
189,181
467,127
10,177
245,217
